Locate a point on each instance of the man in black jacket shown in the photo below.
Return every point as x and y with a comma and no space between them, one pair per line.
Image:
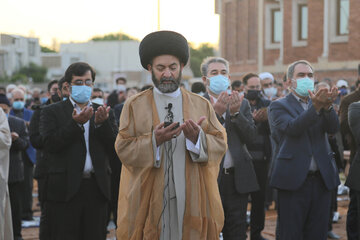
79,138
20,141
237,176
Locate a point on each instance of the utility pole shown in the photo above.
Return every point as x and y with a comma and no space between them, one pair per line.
158,16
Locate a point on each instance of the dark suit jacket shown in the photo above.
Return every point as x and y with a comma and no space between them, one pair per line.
353,179
299,135
16,167
239,133
65,145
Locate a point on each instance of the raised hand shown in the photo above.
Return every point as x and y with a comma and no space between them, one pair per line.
101,114
235,102
222,103
260,115
191,129
84,116
319,99
164,134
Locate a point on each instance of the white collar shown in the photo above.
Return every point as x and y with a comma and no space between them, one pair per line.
76,105
174,94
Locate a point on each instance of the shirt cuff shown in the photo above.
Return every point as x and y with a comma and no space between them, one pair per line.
195,148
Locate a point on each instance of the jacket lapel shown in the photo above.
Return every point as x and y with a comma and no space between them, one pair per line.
295,103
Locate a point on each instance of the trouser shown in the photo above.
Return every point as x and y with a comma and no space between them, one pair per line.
84,217
257,217
234,205
27,212
353,216
15,192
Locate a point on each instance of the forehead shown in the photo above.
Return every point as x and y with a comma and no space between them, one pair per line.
266,80
165,60
55,85
87,75
17,94
301,67
216,66
253,81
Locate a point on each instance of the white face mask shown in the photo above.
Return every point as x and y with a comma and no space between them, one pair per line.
121,88
99,101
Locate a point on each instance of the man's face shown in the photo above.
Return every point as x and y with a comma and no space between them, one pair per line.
53,90
301,70
85,79
96,94
120,82
266,83
64,91
214,69
166,73
253,84
17,96
5,107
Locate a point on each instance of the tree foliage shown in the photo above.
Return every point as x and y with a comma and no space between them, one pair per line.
47,50
33,71
113,37
197,55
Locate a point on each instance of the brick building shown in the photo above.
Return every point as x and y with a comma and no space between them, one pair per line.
267,35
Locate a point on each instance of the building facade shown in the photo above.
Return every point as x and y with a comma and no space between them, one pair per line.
16,52
268,35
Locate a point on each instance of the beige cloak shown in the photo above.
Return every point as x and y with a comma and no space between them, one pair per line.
5,210
142,185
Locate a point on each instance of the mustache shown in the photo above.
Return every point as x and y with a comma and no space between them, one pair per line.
163,79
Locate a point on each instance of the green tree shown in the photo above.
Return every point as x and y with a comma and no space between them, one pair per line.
197,55
113,37
37,73
47,50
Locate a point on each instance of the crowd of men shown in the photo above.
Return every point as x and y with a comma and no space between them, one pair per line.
167,163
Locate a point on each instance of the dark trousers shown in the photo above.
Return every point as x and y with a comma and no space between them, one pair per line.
234,205
43,231
115,165
304,213
15,192
333,207
257,217
27,212
353,216
84,217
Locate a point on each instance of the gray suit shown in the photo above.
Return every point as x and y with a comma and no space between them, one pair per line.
353,180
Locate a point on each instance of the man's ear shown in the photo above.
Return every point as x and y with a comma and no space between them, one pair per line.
149,67
204,79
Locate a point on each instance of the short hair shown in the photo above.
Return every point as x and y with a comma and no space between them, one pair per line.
78,69
321,84
198,87
51,83
291,68
98,90
235,84
2,89
248,76
120,78
207,61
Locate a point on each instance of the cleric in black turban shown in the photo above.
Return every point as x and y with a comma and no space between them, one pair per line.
163,43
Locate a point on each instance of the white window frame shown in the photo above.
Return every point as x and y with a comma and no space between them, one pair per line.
268,26
334,38
296,42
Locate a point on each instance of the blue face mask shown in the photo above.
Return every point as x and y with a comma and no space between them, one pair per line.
18,105
44,100
81,94
218,84
303,85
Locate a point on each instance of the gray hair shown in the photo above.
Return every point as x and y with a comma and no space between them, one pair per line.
291,68
206,62
321,85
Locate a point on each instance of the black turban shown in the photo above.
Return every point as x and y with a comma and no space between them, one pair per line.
163,43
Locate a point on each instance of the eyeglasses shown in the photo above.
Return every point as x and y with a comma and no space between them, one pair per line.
79,82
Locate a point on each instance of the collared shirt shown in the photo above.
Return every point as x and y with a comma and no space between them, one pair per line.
228,160
88,167
305,106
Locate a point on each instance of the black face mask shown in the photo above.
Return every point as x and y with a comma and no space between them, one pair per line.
55,98
252,94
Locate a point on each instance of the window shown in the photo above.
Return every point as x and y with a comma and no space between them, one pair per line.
276,25
273,26
299,23
342,17
31,48
303,22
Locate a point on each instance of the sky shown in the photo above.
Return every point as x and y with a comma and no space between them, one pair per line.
79,20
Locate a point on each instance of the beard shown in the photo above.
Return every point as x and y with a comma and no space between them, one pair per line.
166,87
